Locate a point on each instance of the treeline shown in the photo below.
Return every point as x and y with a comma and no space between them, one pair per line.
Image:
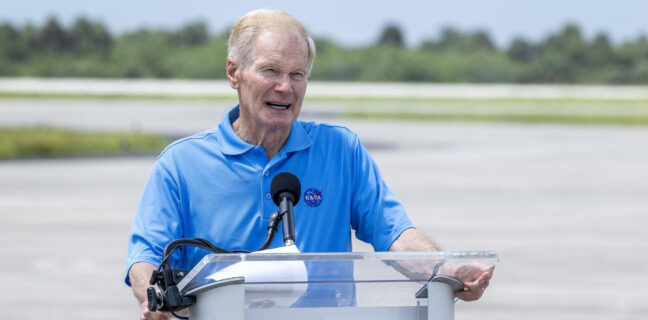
87,49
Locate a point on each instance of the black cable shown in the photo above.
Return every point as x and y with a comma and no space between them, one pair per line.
273,225
178,316
174,245
240,251
197,242
162,275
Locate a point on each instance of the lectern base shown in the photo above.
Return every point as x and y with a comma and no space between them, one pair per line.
222,303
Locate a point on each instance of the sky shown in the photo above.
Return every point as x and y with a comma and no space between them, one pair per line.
357,23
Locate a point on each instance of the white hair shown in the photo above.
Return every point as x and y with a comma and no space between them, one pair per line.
241,44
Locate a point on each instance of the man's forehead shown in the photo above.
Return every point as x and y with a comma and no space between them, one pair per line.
277,47
278,36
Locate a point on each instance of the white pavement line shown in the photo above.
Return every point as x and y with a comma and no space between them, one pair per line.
324,89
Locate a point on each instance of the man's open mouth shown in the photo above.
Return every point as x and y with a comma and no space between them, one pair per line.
278,106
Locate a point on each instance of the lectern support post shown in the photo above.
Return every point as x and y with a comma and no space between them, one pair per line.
440,301
222,300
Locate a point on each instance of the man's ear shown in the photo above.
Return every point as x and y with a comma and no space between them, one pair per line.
231,69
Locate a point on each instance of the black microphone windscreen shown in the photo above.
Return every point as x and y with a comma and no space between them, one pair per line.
285,182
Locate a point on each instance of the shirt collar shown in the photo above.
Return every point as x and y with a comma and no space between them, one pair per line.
231,144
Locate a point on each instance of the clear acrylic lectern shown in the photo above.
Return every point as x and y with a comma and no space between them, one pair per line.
350,285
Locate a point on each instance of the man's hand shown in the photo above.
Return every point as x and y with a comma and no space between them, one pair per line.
475,277
146,314
139,275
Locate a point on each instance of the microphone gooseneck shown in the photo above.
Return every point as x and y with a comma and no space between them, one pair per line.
285,189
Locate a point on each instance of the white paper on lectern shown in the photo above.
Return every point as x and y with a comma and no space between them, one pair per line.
282,275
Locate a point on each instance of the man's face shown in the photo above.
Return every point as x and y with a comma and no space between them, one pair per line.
271,88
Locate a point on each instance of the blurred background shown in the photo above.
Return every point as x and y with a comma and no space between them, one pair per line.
466,41
507,126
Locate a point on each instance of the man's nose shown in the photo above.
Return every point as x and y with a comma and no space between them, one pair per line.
284,84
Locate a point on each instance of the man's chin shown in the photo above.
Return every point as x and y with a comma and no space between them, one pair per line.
278,124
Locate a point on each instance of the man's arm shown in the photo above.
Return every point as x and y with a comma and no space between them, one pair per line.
156,223
413,240
140,274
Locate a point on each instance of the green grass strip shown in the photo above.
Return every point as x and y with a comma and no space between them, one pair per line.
624,120
42,141
87,96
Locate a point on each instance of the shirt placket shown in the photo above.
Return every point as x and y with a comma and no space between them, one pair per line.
267,173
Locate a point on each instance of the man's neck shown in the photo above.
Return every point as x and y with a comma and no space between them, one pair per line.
271,140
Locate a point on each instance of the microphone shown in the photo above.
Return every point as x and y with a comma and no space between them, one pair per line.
286,190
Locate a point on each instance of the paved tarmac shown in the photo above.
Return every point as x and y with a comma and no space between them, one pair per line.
564,206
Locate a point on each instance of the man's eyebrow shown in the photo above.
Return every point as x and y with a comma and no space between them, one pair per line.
268,64
275,65
299,69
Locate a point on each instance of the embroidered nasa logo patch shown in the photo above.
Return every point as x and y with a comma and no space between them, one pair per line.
313,197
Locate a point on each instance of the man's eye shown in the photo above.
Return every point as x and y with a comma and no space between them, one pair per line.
297,75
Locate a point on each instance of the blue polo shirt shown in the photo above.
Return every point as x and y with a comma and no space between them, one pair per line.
215,186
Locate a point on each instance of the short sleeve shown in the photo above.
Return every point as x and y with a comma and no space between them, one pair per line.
157,220
377,216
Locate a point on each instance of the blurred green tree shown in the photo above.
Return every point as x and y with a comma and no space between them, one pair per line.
521,51
453,40
600,52
52,36
391,36
568,43
11,44
192,34
89,37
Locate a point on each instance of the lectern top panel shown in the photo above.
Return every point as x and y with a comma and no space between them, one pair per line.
355,256
329,278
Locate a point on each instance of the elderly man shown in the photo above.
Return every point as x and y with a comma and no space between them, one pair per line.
215,184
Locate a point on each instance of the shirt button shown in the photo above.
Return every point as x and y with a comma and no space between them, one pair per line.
267,173
268,196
